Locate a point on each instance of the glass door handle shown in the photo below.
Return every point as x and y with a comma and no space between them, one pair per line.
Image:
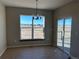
61,35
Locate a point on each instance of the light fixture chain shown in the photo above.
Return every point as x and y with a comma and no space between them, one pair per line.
36,7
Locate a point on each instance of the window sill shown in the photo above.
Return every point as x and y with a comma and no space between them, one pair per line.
32,40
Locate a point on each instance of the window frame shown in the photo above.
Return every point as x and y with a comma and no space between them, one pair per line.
32,31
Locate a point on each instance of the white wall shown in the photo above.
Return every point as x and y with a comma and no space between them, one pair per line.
2,29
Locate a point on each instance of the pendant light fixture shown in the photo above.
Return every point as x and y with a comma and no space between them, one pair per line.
37,16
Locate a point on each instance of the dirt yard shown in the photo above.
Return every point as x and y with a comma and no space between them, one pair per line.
26,33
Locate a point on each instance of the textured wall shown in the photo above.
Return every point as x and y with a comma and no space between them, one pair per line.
13,28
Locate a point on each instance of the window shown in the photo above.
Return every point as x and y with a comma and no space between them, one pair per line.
31,29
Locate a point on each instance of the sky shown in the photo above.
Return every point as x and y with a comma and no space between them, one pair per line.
68,21
24,19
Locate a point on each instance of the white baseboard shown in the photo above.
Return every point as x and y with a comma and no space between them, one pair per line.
29,45
3,52
72,57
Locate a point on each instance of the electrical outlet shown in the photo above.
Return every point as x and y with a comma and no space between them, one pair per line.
15,41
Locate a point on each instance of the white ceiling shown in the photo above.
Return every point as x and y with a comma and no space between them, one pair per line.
42,4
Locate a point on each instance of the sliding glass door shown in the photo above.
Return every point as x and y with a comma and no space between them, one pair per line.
60,27
64,33
67,34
